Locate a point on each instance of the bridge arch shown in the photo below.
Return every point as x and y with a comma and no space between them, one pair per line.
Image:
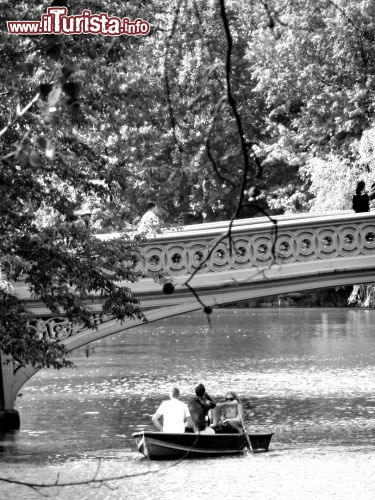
310,251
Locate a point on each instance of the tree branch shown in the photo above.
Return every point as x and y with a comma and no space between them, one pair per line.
19,113
166,76
246,166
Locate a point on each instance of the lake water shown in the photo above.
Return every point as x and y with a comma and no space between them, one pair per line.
308,375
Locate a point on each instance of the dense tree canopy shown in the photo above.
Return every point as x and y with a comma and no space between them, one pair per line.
115,121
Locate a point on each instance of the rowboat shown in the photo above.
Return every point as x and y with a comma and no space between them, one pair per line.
159,445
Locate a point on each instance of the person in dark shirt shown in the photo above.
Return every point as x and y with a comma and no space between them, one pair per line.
253,207
199,406
361,200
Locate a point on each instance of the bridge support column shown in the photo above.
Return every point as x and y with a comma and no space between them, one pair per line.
9,417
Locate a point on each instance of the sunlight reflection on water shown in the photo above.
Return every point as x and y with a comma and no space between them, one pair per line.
307,375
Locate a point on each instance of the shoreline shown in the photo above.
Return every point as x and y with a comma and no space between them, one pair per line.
303,473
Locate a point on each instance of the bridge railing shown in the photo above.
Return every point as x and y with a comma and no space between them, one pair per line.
257,242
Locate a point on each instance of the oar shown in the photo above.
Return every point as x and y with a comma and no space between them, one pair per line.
246,434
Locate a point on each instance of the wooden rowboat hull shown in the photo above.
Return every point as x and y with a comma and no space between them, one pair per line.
160,445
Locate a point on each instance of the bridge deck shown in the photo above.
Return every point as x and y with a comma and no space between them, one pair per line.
310,250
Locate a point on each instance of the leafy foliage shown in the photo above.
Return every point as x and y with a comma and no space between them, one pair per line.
314,65
51,161
114,122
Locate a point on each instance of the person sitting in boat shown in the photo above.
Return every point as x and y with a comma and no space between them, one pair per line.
228,416
199,407
175,414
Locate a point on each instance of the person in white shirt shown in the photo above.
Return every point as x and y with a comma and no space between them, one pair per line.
150,222
175,413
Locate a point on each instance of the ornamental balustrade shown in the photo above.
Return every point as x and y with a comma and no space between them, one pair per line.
307,240
259,245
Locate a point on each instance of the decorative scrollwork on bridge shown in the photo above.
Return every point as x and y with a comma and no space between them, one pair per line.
60,328
254,249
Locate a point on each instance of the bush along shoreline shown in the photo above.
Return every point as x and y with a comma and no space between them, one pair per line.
343,296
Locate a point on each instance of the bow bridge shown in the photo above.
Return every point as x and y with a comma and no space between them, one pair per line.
259,258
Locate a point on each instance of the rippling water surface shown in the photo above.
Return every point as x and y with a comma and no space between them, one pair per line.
306,374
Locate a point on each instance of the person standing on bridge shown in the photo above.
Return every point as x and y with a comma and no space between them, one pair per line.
361,200
150,222
253,207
